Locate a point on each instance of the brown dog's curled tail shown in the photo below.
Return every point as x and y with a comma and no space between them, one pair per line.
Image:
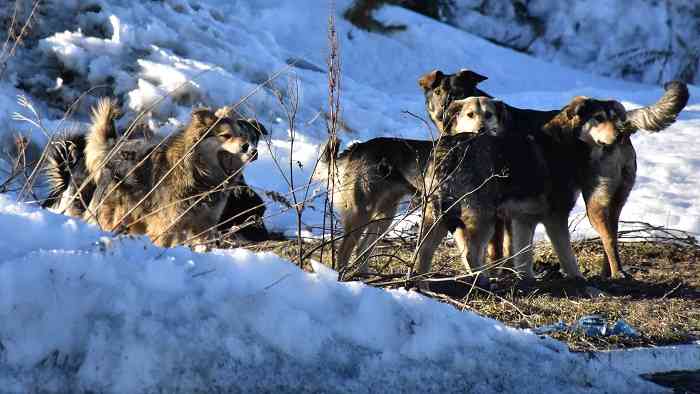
329,153
663,113
102,135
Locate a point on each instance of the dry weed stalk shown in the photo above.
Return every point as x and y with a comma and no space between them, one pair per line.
332,126
15,33
290,107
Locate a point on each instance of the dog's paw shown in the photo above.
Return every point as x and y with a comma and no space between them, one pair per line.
621,275
201,248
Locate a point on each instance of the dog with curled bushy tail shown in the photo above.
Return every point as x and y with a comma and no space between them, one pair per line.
174,191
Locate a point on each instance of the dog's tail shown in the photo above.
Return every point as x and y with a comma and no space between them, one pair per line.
663,113
329,154
62,155
102,135
57,170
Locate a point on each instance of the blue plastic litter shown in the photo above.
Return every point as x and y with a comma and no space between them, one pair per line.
590,325
556,327
622,328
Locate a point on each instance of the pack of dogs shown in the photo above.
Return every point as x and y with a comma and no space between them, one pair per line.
494,173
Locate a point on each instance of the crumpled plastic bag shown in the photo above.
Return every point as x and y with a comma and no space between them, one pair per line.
592,326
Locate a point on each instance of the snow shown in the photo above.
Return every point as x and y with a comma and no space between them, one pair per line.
81,310
120,315
642,40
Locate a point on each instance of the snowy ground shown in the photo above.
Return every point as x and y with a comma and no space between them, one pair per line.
84,313
123,316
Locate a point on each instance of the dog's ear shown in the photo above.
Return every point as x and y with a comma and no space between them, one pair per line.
203,117
579,107
253,126
471,76
431,79
502,113
224,112
619,109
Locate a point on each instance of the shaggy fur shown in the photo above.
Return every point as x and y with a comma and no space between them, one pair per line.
66,171
166,191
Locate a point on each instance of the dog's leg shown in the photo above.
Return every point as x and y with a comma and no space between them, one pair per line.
500,245
557,227
606,194
381,221
354,222
366,246
433,230
94,214
496,243
603,209
604,221
523,233
604,215
508,238
472,239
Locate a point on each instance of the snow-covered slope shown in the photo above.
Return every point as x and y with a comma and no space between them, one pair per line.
80,313
123,316
641,40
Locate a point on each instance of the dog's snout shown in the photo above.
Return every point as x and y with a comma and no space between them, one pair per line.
245,147
253,154
605,134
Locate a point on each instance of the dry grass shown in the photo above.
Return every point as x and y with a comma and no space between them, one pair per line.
661,300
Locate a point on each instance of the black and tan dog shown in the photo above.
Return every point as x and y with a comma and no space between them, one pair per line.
562,165
593,135
457,176
174,192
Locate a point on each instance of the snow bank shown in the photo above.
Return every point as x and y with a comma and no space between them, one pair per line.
87,312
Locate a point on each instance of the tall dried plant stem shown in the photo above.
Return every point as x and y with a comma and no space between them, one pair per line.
16,38
332,124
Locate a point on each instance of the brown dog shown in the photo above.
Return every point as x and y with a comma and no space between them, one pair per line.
175,193
593,132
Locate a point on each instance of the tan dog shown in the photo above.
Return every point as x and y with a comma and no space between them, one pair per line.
175,192
476,115
594,132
